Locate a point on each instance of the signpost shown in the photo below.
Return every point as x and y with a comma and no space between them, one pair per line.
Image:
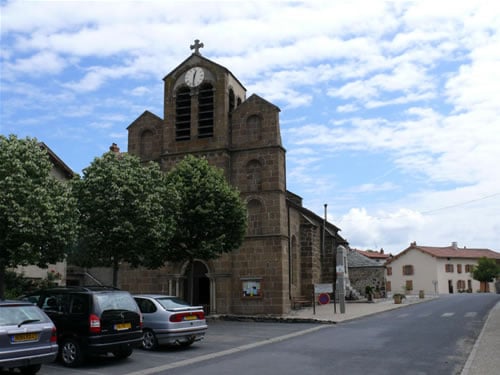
340,271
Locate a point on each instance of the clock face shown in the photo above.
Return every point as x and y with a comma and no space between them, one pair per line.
194,76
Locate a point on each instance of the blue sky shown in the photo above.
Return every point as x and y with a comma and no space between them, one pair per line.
390,111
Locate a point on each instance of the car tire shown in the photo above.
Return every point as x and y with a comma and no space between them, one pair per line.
149,341
30,370
71,353
124,352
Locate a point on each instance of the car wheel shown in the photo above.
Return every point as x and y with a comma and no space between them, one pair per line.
30,370
71,353
149,341
124,352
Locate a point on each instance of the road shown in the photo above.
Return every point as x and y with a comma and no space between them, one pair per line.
434,337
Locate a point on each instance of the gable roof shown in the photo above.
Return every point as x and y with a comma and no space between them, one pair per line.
57,162
355,259
373,254
450,252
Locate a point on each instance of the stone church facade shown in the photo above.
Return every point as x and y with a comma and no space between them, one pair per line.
287,248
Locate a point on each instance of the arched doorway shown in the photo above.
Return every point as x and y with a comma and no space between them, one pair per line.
197,285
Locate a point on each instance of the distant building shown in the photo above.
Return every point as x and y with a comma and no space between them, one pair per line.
441,270
378,256
365,271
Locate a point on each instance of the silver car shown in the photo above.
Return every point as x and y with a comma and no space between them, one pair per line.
28,338
169,320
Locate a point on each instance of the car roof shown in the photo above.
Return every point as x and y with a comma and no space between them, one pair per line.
154,296
7,302
81,289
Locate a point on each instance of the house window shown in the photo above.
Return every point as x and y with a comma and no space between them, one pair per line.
409,285
388,286
459,268
389,271
407,270
206,111
448,268
461,285
469,285
469,267
183,114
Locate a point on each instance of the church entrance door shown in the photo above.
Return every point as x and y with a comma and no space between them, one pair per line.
197,285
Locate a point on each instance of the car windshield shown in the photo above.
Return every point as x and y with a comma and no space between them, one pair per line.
20,314
116,301
172,302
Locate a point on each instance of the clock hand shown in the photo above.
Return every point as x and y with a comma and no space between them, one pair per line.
194,75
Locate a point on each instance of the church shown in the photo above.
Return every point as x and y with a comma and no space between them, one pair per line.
287,248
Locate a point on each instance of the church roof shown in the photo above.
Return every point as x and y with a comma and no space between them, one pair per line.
145,114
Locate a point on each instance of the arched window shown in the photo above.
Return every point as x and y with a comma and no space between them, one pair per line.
253,127
254,175
146,146
183,114
231,100
254,209
206,111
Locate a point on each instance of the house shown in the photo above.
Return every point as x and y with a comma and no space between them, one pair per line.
436,270
287,248
61,172
365,271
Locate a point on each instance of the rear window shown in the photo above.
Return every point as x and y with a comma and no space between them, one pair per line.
15,315
116,301
172,302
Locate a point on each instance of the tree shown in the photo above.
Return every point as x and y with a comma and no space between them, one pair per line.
486,271
212,216
127,214
38,217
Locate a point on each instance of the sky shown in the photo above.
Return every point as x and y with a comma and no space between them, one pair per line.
390,111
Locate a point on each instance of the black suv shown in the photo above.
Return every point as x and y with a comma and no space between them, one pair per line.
91,320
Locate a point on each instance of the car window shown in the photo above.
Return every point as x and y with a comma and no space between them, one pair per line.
172,302
146,306
79,304
56,302
14,315
116,301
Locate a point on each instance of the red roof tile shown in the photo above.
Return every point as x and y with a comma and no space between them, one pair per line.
451,252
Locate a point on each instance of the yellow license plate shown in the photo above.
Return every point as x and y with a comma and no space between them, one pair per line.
122,326
190,317
20,337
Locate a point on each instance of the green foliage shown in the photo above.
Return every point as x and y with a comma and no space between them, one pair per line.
487,270
212,216
127,213
17,284
38,217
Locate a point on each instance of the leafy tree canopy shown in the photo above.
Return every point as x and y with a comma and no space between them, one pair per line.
38,217
487,270
127,213
212,216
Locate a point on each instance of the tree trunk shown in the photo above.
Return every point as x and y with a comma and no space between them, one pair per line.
2,280
115,273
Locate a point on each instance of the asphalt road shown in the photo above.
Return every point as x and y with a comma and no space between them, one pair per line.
429,338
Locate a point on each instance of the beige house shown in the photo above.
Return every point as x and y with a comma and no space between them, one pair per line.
436,270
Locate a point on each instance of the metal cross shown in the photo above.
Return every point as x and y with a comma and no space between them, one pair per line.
196,46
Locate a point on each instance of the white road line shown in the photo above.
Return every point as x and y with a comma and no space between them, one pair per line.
446,315
205,357
470,314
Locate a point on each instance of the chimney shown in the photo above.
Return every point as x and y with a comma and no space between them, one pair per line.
114,147
413,244
454,244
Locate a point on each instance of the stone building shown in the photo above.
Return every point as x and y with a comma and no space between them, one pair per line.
287,248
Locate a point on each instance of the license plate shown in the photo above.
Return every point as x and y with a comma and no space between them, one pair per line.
21,337
122,326
190,317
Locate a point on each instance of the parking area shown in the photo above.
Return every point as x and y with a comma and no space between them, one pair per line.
221,337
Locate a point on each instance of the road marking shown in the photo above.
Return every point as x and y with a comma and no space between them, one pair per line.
403,315
471,314
154,370
446,315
